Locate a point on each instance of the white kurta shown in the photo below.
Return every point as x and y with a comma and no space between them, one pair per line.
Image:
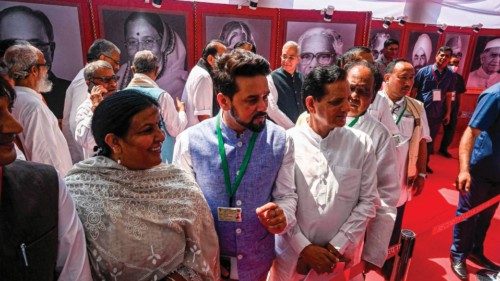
336,186
405,126
198,95
382,113
379,229
83,132
72,261
76,94
42,140
273,110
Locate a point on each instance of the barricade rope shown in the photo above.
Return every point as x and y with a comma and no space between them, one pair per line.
357,269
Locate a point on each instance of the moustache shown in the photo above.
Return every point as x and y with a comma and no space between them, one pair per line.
7,139
259,114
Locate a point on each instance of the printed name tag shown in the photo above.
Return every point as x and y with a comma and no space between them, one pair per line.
229,214
436,95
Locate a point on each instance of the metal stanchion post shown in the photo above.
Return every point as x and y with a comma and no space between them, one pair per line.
403,258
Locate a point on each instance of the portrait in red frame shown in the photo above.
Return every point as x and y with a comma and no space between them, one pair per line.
459,39
484,63
379,34
421,44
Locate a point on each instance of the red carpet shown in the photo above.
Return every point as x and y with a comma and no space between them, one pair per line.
437,204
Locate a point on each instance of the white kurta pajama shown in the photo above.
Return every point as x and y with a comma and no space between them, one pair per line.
83,132
76,94
336,186
380,228
42,140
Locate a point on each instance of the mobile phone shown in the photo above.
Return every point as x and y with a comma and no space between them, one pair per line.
91,85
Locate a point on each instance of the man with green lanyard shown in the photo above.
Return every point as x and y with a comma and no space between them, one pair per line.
360,76
244,165
409,115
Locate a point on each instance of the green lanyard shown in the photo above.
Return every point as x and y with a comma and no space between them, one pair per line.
232,188
353,122
401,114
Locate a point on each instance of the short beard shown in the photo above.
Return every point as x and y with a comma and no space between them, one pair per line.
44,85
251,126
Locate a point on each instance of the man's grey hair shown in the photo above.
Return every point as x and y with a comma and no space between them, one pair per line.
19,59
92,67
292,44
145,62
101,47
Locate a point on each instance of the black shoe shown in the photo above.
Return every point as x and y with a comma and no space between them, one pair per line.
445,153
487,275
429,170
483,261
459,268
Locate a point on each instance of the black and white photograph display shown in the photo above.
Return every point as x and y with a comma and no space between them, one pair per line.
320,43
459,43
485,66
55,30
422,48
378,36
162,33
231,30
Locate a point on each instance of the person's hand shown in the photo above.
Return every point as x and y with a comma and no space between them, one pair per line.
272,217
337,254
96,95
416,183
463,182
180,105
446,120
368,266
318,258
302,267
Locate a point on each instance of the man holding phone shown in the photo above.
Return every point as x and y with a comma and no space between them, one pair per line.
101,81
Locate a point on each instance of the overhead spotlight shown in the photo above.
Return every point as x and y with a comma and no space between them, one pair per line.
402,20
157,3
441,28
253,4
477,27
328,13
387,22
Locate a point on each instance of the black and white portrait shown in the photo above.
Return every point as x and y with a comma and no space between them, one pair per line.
232,30
459,43
55,30
485,67
320,43
422,48
163,34
378,36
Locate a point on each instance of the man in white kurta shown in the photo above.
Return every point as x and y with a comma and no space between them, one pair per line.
360,76
335,175
100,78
42,140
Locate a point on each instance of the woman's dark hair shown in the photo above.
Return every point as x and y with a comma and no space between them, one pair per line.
6,90
153,19
114,115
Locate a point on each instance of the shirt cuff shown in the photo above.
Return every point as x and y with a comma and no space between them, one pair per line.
299,242
203,112
340,242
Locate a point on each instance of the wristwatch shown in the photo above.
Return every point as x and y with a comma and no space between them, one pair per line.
423,175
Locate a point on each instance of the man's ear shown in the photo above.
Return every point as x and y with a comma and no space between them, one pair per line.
133,69
224,101
211,60
310,104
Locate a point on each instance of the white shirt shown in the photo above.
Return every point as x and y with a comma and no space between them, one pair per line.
174,121
198,95
42,140
76,94
273,110
83,132
379,229
405,126
72,261
336,186
382,113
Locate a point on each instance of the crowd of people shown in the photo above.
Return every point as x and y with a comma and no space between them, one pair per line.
251,174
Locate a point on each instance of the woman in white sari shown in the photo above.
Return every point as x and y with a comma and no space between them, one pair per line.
143,220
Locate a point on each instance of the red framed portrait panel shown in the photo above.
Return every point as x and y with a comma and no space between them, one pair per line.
318,37
421,42
71,28
460,40
167,32
233,23
483,67
378,34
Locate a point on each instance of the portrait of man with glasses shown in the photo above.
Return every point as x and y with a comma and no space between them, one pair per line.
162,34
37,29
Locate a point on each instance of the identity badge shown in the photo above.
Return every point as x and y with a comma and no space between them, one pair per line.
436,95
229,214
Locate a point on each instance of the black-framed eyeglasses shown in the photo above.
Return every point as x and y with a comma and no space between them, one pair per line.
112,59
287,57
108,79
323,58
147,43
